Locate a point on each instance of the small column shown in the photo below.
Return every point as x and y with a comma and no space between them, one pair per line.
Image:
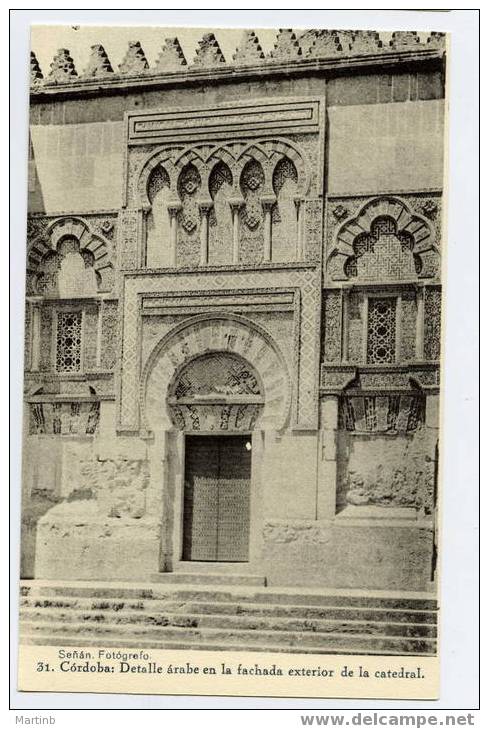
267,203
420,322
299,239
327,458
236,204
432,414
173,210
99,333
35,338
204,208
345,293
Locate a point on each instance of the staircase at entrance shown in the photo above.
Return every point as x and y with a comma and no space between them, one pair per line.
200,612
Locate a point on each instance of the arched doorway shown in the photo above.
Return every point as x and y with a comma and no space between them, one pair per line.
222,376
216,399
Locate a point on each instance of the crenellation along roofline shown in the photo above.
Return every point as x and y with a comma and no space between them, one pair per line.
151,78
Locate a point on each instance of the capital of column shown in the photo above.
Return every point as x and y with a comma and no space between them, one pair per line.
268,201
174,208
298,202
205,206
236,203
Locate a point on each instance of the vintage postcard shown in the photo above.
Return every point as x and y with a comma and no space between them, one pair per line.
232,362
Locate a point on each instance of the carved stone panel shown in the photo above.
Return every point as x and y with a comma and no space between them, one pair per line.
408,318
332,325
432,322
128,244
110,335
305,339
117,485
388,237
64,418
176,375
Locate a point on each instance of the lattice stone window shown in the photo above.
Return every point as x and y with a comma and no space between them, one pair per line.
68,341
381,330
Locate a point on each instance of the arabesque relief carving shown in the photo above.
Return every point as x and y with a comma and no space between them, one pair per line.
236,203
70,256
118,485
388,238
289,48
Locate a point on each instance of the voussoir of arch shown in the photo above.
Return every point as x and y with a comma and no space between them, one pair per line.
204,334
269,152
79,229
406,220
163,157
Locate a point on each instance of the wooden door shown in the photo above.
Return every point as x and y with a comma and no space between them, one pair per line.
216,514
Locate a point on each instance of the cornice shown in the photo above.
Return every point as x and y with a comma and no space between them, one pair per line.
154,78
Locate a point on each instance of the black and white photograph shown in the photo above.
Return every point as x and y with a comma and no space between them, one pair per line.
233,344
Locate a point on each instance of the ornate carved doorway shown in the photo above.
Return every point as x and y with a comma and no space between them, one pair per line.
216,512
216,399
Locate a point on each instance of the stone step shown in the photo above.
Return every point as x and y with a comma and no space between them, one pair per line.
189,645
232,608
248,639
265,595
208,578
192,620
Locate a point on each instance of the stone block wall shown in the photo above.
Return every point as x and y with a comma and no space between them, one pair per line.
101,503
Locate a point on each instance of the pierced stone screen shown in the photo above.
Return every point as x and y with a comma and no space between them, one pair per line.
381,338
68,341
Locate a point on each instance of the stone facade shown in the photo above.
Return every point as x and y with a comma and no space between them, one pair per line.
262,262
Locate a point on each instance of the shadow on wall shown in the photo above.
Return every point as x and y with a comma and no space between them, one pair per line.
40,502
35,199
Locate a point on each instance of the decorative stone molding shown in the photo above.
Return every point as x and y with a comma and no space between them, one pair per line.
304,338
35,70
134,61
118,485
286,46
207,334
297,532
341,208
62,67
432,322
332,326
437,40
414,232
128,244
429,208
379,379
268,152
290,51
404,39
44,239
334,379
325,43
387,414
404,487
171,57
208,52
405,478
365,41
98,63
328,43
47,386
249,51
64,418
216,392
340,212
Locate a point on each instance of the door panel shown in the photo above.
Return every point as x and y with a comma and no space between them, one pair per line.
217,499
234,500
200,499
